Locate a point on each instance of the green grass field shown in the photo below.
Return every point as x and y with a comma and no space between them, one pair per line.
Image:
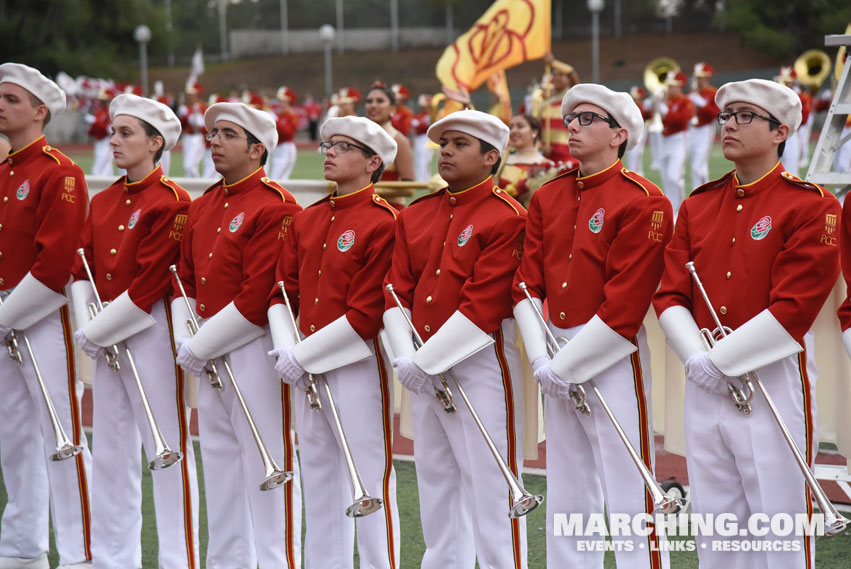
831,553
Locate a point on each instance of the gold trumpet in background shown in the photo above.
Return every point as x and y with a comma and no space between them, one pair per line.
812,67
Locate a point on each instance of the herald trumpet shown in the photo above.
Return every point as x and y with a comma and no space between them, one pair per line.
834,522
662,502
522,501
65,448
274,476
363,504
164,457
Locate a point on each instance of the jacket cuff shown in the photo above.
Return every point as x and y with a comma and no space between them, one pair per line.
281,327
334,346
681,332
180,317
223,333
81,296
534,336
455,341
846,341
398,337
119,320
594,349
29,302
760,341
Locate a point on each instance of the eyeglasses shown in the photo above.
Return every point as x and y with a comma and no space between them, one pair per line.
743,117
224,135
341,147
586,118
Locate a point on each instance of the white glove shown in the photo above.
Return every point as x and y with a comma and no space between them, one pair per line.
179,341
702,372
412,377
89,348
287,367
551,384
189,361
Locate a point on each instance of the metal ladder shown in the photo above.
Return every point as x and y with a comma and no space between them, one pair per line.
831,139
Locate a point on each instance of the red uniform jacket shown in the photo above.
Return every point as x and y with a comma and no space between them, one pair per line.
845,249
402,119
334,260
680,111
132,235
772,244
42,211
558,134
596,245
287,125
708,113
458,251
421,122
231,243
100,128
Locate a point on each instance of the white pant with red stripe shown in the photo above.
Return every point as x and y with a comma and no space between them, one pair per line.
363,395
464,499
27,441
283,161
672,166
119,430
193,151
589,467
741,465
700,139
249,527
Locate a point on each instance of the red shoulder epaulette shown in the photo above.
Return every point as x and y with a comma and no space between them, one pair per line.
57,155
796,181
714,183
286,196
175,188
646,185
511,202
382,203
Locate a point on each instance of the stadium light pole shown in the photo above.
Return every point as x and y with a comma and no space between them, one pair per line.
394,25
596,6
340,45
326,34
285,44
223,29
142,35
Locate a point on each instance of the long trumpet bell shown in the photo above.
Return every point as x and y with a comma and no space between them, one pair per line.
812,67
834,522
522,502
663,503
274,476
363,503
64,447
164,456
656,71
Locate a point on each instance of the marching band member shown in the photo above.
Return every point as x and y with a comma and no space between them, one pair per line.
455,254
335,256
764,243
598,291
380,105
701,133
286,121
562,77
131,236
525,168
42,213
403,116
227,261
192,119
635,155
99,129
676,111
422,148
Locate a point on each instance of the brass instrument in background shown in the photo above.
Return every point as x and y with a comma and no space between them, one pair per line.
812,67
654,81
840,59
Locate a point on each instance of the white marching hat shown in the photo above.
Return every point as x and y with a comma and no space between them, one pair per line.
475,123
257,122
780,101
158,115
365,131
620,107
33,81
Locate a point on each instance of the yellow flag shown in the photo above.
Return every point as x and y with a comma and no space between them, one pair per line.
509,33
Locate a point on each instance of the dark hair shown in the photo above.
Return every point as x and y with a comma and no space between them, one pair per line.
772,126
487,147
369,153
533,123
254,140
151,132
615,124
378,86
